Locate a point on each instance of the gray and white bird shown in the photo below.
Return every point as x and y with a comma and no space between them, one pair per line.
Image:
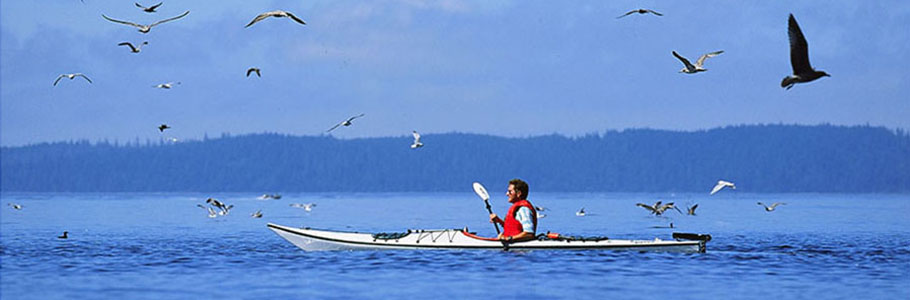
417,143
134,49
721,184
212,213
640,11
252,70
306,207
145,28
257,214
166,86
799,58
345,122
699,64
15,206
277,14
771,207
71,77
580,212
149,9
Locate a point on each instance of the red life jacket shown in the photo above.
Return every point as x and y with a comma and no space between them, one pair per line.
511,226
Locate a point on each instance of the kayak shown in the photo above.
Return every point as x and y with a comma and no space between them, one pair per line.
310,239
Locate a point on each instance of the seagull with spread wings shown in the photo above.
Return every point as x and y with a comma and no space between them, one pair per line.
770,208
252,70
145,28
149,9
345,122
277,14
641,11
721,184
166,86
799,58
134,49
71,77
698,66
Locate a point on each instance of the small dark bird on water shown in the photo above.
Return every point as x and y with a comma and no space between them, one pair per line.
163,127
640,11
251,70
799,58
64,236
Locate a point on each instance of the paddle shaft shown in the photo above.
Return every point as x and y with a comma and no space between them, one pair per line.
490,210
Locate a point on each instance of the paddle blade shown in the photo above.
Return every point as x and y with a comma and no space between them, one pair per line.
481,191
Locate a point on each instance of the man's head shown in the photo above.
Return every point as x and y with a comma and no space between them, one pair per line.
518,190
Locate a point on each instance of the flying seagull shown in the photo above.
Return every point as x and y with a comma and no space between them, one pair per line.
277,14
71,77
691,210
658,208
692,69
345,122
640,11
64,236
722,184
772,206
163,127
580,212
133,49
15,206
306,207
166,85
799,58
417,143
251,70
257,214
212,213
149,9
145,28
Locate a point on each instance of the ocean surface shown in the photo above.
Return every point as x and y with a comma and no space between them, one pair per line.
154,246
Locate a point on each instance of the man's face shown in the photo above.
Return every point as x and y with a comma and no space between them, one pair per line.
512,193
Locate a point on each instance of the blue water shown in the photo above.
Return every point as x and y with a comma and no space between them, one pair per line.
152,246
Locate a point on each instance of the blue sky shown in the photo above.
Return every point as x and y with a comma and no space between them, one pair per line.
509,68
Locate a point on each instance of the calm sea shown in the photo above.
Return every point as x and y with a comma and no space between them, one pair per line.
153,246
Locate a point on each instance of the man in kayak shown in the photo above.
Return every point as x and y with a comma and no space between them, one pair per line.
521,221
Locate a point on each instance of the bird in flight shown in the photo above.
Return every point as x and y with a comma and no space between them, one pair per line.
15,206
251,70
691,210
149,9
134,49
698,66
257,214
345,122
145,28
722,184
306,207
277,14
640,11
212,213
166,85
71,77
771,207
658,208
417,143
163,127
799,58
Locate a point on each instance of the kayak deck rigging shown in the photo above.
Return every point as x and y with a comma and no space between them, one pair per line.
310,239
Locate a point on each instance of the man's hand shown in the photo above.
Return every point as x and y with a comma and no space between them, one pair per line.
495,219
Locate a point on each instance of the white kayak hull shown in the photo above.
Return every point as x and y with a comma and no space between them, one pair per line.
324,240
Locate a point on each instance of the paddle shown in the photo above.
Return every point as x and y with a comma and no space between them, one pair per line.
482,192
